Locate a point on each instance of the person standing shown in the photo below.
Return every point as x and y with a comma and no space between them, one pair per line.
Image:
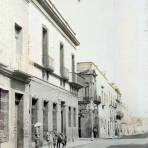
37,138
49,139
54,139
64,140
59,140
95,132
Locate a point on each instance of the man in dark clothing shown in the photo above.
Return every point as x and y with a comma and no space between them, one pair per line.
59,140
95,132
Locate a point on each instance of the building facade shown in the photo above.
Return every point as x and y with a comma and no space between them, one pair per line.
38,79
104,112
120,124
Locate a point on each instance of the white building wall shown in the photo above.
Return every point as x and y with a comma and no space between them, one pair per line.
37,19
12,12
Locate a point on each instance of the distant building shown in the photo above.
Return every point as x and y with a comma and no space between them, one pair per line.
97,88
119,114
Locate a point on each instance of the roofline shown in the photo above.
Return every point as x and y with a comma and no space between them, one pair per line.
59,20
101,74
96,68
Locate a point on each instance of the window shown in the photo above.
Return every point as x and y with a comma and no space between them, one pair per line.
4,110
61,58
34,118
45,118
69,116
44,46
18,38
73,64
74,117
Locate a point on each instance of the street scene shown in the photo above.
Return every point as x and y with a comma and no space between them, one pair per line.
73,74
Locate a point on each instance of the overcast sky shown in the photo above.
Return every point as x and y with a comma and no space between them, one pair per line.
113,34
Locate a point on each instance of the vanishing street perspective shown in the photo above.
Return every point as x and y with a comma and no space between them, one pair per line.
73,73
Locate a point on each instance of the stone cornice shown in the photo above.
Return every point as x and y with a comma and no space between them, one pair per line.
59,20
14,74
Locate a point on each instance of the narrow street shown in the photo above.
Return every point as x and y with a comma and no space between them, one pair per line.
140,141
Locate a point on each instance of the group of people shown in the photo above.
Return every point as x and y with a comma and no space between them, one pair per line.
54,139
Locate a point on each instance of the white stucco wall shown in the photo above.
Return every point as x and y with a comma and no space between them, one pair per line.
36,20
12,12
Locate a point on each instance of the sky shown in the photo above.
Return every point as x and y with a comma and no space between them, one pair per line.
114,35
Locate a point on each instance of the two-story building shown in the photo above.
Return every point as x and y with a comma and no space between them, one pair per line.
38,79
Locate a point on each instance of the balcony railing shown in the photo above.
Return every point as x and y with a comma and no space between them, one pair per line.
65,73
48,63
76,80
97,100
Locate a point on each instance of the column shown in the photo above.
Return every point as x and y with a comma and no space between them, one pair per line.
40,115
59,116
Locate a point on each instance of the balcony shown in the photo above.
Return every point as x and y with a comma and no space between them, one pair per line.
76,80
119,115
97,100
48,63
65,73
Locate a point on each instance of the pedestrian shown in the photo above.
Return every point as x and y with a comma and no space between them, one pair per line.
54,139
49,138
64,140
95,132
59,140
37,138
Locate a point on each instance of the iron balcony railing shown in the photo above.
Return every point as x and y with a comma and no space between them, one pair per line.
48,63
97,100
76,80
65,73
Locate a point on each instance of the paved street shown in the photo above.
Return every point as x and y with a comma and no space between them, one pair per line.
140,141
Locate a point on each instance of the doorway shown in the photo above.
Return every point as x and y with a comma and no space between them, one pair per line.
63,118
19,126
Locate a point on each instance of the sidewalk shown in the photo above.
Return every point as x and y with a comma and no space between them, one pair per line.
78,142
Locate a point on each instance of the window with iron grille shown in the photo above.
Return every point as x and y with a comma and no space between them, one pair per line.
4,110
45,118
69,116
33,116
